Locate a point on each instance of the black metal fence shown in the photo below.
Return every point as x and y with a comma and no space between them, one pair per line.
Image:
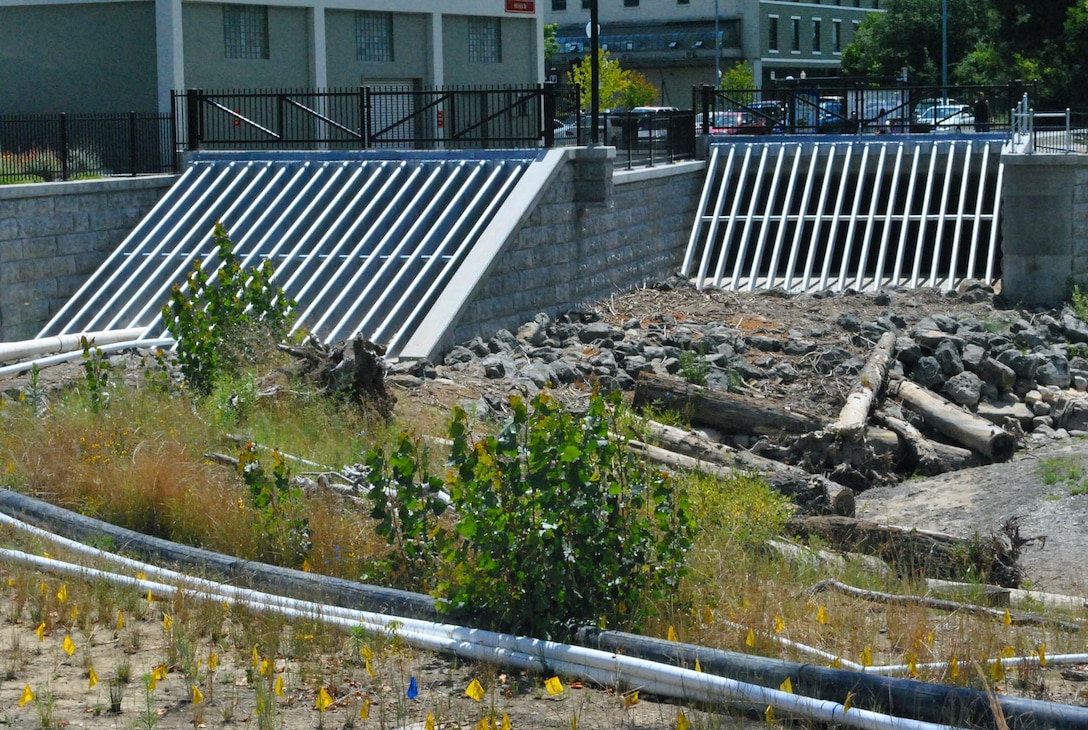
365,118
857,108
49,147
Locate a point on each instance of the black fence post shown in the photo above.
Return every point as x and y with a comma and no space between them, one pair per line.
132,143
705,107
63,146
193,97
547,91
364,116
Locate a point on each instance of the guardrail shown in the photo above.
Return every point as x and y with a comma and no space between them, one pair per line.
1061,132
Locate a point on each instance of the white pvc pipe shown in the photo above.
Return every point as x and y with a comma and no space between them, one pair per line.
523,652
20,367
63,343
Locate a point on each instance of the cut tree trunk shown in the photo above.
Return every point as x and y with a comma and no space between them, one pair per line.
957,424
728,412
786,479
870,381
925,456
919,553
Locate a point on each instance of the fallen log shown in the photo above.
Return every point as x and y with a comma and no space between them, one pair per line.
957,424
809,497
786,479
920,553
870,381
925,456
729,412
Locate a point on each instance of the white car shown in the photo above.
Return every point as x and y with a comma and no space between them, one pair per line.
947,117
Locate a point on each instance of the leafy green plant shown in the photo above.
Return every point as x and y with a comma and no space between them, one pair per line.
559,523
1079,302
96,375
220,322
407,507
280,510
693,367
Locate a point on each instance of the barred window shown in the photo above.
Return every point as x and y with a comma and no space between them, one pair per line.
484,40
245,31
373,36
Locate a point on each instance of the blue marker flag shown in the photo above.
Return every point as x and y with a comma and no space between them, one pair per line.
413,689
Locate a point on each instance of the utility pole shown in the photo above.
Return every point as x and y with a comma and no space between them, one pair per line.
595,71
944,48
717,49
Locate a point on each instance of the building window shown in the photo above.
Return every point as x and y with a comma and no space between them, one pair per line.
559,4
795,35
630,3
586,4
836,36
772,32
816,35
484,40
373,36
683,2
245,31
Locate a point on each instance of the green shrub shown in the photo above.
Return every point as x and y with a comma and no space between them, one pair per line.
279,508
560,524
222,323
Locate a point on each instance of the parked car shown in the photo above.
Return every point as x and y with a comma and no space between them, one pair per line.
735,122
653,121
564,131
956,117
773,112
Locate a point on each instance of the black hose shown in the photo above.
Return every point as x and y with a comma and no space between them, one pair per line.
906,698
260,576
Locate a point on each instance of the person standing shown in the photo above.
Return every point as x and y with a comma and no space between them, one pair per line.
981,109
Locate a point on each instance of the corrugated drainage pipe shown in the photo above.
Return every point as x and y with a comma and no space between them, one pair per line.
902,697
521,652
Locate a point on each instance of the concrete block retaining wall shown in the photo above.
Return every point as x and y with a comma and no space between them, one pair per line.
595,231
54,235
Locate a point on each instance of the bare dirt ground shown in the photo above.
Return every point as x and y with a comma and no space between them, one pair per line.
964,503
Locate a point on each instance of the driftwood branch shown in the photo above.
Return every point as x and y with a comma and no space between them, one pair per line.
941,604
870,381
957,424
925,456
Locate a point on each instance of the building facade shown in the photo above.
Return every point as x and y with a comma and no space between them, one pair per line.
127,55
678,44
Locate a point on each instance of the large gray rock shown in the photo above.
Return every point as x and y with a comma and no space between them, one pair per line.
597,331
964,388
1053,370
499,367
927,372
947,355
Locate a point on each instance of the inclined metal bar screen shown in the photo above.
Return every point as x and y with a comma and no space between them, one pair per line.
834,215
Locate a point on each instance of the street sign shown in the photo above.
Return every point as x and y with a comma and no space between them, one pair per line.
520,6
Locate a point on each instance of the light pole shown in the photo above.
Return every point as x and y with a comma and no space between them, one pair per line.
594,72
717,49
944,48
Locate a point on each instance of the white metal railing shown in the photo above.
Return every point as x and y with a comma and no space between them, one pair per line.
838,215
1028,138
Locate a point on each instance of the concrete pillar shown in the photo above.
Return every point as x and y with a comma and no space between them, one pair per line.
1044,228
319,55
170,51
438,51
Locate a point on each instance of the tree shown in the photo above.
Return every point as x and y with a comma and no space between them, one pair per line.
551,45
739,76
615,82
639,91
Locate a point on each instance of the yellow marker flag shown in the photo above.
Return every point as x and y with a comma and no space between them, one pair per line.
505,722
708,615
213,661
369,669
821,615
141,576
1042,655
954,668
997,670
167,623
366,652
912,665
27,696
750,640
277,687
160,672
672,634
631,698
198,696
768,715
429,725
1006,620
92,678
62,594
69,646
120,620
265,668
150,598
867,657
698,666
475,690
848,702
484,724
74,613
682,721
786,686
836,663
553,685
40,631
256,658
779,624
364,711
323,700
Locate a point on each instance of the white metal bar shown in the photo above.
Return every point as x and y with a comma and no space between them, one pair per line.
924,220
870,219
859,191
943,208
960,206
889,218
765,218
704,197
780,235
979,197
715,216
901,250
814,239
802,214
753,204
829,250
994,225
727,239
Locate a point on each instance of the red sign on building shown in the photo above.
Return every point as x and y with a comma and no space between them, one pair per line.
520,6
